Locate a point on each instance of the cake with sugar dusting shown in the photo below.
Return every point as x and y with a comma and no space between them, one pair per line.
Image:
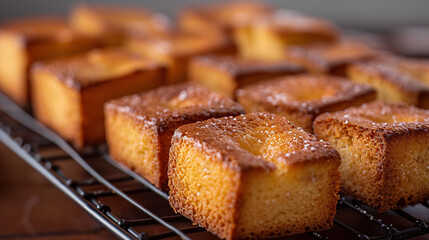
25,41
69,93
139,127
330,59
384,152
115,23
175,50
253,176
225,74
301,98
395,80
267,36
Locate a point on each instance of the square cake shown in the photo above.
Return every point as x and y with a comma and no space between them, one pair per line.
25,41
221,18
417,68
139,127
175,50
330,59
69,93
253,176
391,82
267,36
384,152
225,74
115,23
301,98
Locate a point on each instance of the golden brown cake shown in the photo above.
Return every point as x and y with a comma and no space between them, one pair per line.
176,49
303,97
268,36
253,176
139,127
225,74
384,152
69,93
220,18
392,84
330,59
25,41
115,23
417,68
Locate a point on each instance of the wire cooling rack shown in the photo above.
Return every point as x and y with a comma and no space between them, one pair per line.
132,208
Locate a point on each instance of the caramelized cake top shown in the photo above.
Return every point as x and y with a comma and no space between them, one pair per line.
329,56
39,29
95,66
256,140
391,117
390,73
129,20
179,43
175,102
305,92
239,66
232,13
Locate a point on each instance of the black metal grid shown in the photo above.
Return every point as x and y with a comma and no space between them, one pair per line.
96,190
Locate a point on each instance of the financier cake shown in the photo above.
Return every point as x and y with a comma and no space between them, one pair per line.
391,82
225,74
253,176
139,127
384,152
116,23
330,59
175,50
301,98
25,41
417,68
267,36
69,93
221,18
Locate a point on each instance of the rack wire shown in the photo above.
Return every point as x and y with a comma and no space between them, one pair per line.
104,189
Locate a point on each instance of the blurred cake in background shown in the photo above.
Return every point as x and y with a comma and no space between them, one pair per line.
69,93
267,36
28,40
115,23
175,50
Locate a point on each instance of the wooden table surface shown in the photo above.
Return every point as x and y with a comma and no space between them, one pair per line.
32,208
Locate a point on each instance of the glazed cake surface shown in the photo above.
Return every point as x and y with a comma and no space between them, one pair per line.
267,37
332,59
384,152
231,174
301,98
392,84
117,22
176,49
140,127
69,93
225,74
25,41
